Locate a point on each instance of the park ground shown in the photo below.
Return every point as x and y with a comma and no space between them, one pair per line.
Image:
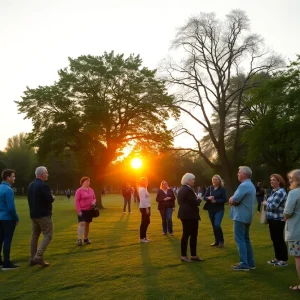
117,266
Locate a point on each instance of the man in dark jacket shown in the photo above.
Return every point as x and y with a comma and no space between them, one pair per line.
188,213
127,192
40,202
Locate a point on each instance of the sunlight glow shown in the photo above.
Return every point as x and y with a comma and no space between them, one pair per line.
136,163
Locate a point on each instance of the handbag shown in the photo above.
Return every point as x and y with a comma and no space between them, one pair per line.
206,205
96,212
263,215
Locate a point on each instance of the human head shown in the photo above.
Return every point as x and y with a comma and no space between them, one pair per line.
217,180
188,179
294,179
8,175
277,181
244,173
164,185
85,181
41,173
143,182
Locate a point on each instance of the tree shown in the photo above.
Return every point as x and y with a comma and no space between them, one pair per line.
215,53
99,105
22,158
273,139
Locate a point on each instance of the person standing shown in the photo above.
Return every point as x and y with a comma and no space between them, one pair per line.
188,213
292,216
127,193
166,205
260,193
215,198
242,212
145,209
8,218
85,201
40,202
275,206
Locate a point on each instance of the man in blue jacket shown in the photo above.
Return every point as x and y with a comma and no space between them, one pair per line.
8,218
242,212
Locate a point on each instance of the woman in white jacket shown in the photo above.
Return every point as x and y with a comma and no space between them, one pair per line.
144,209
292,215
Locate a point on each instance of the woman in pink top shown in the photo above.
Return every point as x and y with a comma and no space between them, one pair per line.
85,202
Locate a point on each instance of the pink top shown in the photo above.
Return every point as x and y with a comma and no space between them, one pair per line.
84,199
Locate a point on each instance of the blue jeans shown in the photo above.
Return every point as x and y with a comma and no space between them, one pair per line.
216,219
7,228
242,239
166,217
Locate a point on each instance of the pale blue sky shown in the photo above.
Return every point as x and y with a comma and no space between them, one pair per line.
37,36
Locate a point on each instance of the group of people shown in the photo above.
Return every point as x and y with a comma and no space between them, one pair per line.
283,214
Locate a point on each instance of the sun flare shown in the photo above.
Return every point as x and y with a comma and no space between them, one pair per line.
136,163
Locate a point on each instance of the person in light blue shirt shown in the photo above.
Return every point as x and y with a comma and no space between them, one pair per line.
8,218
242,211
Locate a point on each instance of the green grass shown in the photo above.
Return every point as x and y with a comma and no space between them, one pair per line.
117,266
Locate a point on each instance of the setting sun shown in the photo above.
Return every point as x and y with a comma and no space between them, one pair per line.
136,163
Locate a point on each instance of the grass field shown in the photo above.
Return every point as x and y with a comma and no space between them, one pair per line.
117,266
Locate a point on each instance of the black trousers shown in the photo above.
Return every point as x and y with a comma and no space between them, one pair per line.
7,229
127,201
277,236
145,221
189,231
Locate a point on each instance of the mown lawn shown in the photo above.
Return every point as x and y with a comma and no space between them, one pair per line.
117,266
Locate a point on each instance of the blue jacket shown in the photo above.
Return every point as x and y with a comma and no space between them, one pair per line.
244,198
7,203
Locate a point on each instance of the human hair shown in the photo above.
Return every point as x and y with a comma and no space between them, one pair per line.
40,170
186,178
161,184
7,173
83,179
246,170
295,176
143,182
279,179
220,179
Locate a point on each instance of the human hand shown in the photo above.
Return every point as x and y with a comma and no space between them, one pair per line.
80,214
265,203
167,198
147,211
173,208
213,201
53,197
17,223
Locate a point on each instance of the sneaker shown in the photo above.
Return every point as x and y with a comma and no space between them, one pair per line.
147,239
214,244
273,261
238,267
252,268
38,261
163,233
87,241
124,212
171,234
79,242
144,240
9,266
281,263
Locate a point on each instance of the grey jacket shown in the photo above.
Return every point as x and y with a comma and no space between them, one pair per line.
292,214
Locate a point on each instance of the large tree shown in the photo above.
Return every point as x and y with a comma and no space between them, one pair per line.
215,52
99,105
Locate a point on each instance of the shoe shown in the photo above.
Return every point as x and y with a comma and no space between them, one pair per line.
147,239
171,234
163,233
130,212
144,240
9,266
38,261
124,212
221,245
197,258
87,241
238,267
185,259
281,263
273,261
252,268
214,244
79,242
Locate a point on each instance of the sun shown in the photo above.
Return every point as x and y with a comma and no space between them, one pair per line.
136,163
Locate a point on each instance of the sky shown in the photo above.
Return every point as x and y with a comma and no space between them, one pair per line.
38,36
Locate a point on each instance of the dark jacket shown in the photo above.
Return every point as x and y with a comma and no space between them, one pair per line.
188,204
260,193
39,199
126,192
220,197
161,195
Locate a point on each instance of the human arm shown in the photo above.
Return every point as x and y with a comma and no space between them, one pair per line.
276,199
160,197
143,199
207,194
222,197
290,204
46,194
77,202
239,194
9,197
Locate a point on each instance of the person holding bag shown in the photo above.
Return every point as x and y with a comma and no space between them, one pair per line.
275,206
85,200
215,198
